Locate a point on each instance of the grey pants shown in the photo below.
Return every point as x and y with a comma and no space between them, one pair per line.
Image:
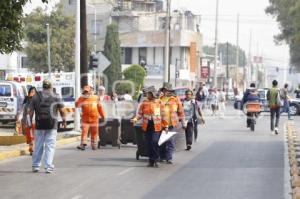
274,112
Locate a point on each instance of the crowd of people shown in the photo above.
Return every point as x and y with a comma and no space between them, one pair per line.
160,111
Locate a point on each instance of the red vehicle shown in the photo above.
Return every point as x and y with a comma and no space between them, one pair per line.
180,92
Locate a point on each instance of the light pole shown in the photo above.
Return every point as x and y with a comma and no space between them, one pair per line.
167,46
216,44
48,45
77,65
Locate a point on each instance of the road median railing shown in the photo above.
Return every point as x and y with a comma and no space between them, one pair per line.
292,138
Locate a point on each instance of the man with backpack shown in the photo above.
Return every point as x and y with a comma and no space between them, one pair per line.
273,97
45,104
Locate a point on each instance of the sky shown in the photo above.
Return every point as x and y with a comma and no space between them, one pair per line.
252,19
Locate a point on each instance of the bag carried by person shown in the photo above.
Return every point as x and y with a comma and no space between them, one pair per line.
44,119
279,101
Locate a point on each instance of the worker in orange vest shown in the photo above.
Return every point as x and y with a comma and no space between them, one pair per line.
151,113
174,112
91,112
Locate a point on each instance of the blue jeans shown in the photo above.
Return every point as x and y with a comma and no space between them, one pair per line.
152,139
45,141
286,108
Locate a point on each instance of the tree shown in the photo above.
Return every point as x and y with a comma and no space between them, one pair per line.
112,51
287,13
62,34
11,19
231,53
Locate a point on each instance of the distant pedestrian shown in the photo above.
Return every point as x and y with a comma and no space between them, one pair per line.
103,97
28,123
114,97
221,102
127,96
46,105
286,100
273,97
92,111
190,122
201,96
297,92
214,102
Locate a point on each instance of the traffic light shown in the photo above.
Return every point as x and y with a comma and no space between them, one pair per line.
93,61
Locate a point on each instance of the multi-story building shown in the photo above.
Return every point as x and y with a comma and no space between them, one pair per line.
142,25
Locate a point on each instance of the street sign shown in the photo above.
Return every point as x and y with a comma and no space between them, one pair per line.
103,62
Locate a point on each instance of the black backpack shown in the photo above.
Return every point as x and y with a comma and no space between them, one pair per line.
44,119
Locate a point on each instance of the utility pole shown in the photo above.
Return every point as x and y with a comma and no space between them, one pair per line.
167,46
83,44
237,50
227,69
49,54
77,65
216,44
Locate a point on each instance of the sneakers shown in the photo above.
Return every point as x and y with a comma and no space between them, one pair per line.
189,147
276,131
49,170
81,147
169,162
35,169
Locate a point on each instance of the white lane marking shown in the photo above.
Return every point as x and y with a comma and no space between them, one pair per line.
77,197
125,171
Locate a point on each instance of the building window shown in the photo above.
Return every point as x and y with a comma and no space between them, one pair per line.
98,27
24,62
143,55
128,55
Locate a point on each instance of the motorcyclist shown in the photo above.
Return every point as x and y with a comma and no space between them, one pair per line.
250,95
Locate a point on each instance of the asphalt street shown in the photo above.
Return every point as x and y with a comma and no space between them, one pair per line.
228,161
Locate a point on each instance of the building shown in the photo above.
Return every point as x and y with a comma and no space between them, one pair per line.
142,25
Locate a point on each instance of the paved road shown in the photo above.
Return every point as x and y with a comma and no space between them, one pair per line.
228,162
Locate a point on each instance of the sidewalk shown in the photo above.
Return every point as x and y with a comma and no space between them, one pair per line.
12,151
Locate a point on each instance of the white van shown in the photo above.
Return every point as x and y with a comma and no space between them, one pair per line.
12,95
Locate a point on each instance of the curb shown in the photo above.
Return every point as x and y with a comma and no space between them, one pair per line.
4,155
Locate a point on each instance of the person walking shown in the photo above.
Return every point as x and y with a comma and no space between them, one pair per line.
91,112
45,105
286,101
190,122
28,124
201,96
273,97
297,92
213,99
102,95
221,102
151,111
174,112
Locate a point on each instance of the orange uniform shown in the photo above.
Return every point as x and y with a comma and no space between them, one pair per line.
173,110
92,111
152,110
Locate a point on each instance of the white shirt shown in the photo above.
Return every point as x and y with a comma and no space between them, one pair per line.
127,97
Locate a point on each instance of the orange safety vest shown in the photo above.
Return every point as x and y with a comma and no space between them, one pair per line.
91,109
152,110
173,110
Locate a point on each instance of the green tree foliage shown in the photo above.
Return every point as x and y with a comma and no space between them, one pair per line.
231,53
112,51
11,19
62,34
287,13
